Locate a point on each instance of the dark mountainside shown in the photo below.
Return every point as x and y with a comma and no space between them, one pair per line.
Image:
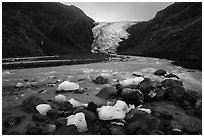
174,33
33,29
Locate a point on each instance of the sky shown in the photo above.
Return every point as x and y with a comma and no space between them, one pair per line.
120,11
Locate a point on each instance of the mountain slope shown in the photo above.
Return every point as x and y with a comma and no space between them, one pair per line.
174,33
37,28
107,35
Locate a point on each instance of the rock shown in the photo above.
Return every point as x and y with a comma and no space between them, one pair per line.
76,103
39,117
191,96
144,132
89,115
171,76
132,96
51,128
135,126
101,80
171,82
79,109
92,106
107,92
68,86
34,131
131,81
79,121
160,72
43,108
66,130
160,94
144,109
53,113
166,115
198,108
153,123
60,98
30,103
135,114
117,130
192,126
65,106
12,121
79,91
175,132
60,122
19,85
175,93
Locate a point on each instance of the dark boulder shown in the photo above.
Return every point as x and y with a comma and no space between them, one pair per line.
132,96
175,93
65,106
198,108
107,92
191,96
60,122
39,117
30,103
171,76
34,131
66,130
101,80
135,126
160,72
192,126
160,94
117,130
171,82
53,113
92,106
135,114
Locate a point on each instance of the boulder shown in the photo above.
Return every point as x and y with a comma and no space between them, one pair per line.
67,86
160,72
175,93
60,98
171,82
79,121
89,115
18,85
191,96
171,76
117,130
198,108
60,122
34,131
51,128
66,130
92,106
101,80
30,103
135,114
43,108
76,103
132,96
53,113
65,106
192,126
160,94
131,81
135,126
107,92
39,117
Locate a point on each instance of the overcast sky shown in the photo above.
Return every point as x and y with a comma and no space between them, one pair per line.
120,11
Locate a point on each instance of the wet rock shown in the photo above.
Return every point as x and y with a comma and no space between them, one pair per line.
192,126
175,93
191,96
101,80
132,96
12,121
53,113
92,106
60,122
160,72
67,86
39,117
117,130
34,131
66,130
30,103
51,128
135,114
135,126
79,121
65,106
43,108
107,92
171,82
171,76
89,115
60,98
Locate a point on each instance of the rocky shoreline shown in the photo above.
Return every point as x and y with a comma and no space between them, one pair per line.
130,109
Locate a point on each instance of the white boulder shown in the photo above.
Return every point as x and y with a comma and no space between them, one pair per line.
78,120
68,86
43,108
131,81
19,85
76,103
60,98
118,111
